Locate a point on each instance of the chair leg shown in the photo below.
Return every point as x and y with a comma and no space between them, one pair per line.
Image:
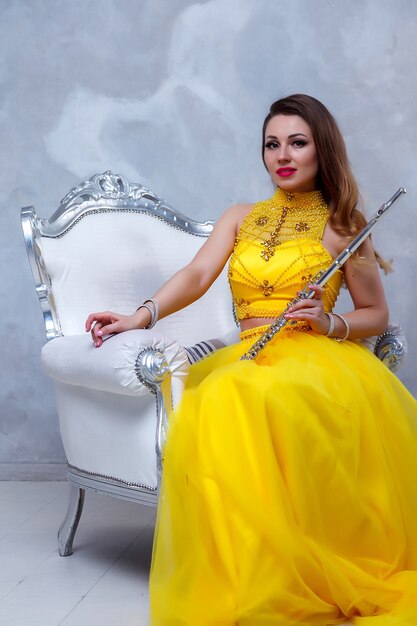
69,526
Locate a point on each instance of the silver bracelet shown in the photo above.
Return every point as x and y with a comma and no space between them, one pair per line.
331,324
346,323
153,309
155,315
156,309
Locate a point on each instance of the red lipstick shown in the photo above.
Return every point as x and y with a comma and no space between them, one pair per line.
285,171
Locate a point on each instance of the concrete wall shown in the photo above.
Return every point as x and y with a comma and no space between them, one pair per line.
172,94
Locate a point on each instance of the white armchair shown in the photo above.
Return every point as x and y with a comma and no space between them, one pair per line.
108,246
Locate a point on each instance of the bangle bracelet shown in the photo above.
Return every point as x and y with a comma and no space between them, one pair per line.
331,324
152,321
153,309
346,323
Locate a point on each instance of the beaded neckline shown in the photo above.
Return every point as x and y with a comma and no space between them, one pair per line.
283,217
282,203
304,199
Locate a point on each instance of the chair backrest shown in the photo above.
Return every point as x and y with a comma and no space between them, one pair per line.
109,246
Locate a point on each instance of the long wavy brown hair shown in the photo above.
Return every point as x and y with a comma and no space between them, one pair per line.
335,178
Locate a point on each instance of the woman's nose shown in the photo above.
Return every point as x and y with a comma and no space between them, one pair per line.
283,154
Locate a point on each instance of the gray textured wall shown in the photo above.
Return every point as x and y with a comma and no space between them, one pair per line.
172,94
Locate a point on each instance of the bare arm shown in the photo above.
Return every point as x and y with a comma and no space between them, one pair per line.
363,280
186,286
370,314
193,280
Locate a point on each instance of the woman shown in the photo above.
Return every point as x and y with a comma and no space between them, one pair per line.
290,481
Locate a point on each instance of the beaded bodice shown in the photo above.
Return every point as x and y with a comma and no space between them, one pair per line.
277,251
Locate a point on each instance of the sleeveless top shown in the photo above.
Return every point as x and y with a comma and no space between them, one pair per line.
278,249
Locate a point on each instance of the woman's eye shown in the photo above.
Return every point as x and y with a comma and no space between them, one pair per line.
299,143
271,144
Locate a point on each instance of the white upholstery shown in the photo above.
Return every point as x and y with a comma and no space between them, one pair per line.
107,417
113,261
75,361
107,434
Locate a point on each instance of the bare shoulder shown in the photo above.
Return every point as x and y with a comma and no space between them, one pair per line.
335,243
226,227
238,212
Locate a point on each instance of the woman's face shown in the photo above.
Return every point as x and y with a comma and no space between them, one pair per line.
290,153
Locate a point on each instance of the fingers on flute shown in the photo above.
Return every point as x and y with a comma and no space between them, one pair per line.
318,291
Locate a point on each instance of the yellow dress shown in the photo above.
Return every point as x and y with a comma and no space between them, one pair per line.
289,492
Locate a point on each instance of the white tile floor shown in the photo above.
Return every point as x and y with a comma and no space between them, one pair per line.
105,581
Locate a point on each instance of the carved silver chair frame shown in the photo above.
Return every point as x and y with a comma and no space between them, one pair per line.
109,192
105,192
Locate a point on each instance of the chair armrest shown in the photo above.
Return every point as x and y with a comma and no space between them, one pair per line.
390,347
119,365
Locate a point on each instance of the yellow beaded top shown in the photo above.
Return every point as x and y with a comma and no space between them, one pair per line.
277,251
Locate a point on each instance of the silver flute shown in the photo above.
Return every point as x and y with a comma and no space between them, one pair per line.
320,279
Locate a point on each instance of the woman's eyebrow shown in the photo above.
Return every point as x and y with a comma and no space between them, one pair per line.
296,135
289,136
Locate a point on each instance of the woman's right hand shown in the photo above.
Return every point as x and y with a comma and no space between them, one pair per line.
107,323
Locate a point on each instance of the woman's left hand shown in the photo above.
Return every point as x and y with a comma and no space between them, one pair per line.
311,310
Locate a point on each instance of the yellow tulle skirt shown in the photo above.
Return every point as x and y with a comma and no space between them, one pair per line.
289,493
